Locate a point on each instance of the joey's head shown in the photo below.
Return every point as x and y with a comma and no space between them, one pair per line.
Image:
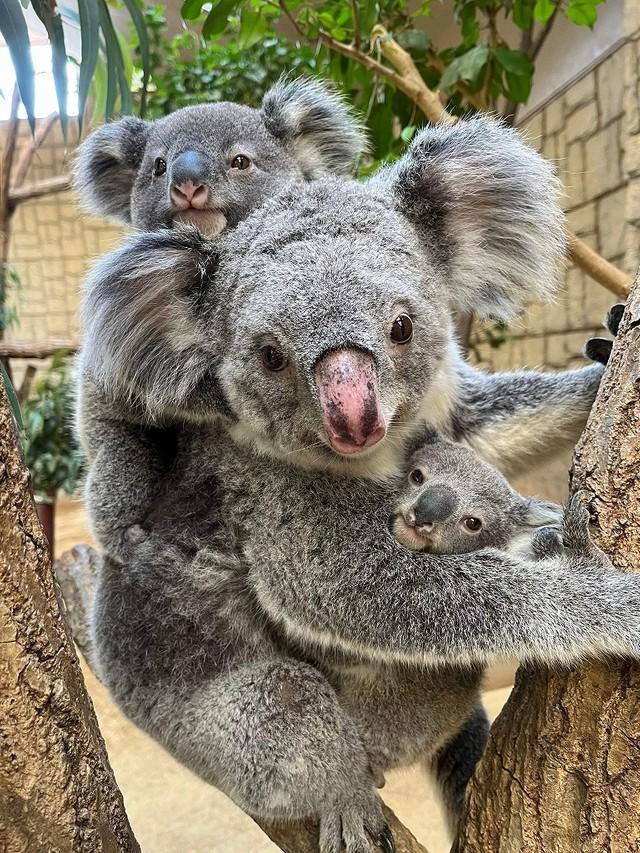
451,502
211,165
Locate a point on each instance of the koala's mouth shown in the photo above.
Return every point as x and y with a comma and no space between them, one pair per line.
209,221
416,539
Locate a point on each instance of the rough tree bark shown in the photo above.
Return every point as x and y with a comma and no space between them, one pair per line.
562,769
57,790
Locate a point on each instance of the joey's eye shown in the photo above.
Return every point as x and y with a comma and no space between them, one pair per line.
416,477
159,167
241,161
273,358
473,525
402,329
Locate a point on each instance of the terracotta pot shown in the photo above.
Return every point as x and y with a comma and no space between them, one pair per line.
46,509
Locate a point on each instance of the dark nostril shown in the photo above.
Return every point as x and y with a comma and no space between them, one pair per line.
437,503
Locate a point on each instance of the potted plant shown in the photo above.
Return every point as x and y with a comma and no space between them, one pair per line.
51,451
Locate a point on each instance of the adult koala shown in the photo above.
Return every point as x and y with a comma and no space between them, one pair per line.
211,164
270,631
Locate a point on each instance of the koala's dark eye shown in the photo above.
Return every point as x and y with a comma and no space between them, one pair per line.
402,329
416,477
273,358
240,162
159,167
473,525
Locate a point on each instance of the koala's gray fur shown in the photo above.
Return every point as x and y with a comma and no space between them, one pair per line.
269,629
302,131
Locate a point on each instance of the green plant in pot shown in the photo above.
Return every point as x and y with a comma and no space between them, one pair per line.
51,451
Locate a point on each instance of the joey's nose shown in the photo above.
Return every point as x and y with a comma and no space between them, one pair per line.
437,503
347,385
189,174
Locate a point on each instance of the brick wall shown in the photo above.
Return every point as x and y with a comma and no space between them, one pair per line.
52,244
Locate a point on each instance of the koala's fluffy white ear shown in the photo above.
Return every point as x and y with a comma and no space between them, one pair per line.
106,167
485,205
316,125
144,315
539,513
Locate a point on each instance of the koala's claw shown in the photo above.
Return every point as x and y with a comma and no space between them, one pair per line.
598,349
385,840
613,318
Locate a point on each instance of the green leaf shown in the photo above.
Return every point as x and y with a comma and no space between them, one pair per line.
369,16
145,53
470,27
416,42
253,26
466,67
48,13
518,87
217,18
90,34
583,12
14,30
543,10
191,9
11,395
407,133
522,13
514,61
116,78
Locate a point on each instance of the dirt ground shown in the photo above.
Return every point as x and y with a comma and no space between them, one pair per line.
173,811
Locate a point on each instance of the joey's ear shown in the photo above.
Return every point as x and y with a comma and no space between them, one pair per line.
106,167
145,310
485,206
426,434
316,124
539,513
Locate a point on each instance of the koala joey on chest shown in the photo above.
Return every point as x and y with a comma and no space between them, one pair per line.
210,165
452,502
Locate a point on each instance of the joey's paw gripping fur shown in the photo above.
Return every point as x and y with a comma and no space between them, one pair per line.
546,542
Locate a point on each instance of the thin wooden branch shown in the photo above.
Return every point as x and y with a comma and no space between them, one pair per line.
8,155
76,572
34,143
538,44
17,349
417,90
48,186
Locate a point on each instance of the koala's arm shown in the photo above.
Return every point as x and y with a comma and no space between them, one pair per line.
341,580
126,465
510,418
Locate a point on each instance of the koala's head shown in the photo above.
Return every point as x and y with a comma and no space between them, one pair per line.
451,502
327,311
211,165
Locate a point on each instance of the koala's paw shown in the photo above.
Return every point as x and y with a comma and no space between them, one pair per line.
344,827
599,349
546,542
613,318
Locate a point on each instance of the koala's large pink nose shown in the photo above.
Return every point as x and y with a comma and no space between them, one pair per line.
347,383
187,194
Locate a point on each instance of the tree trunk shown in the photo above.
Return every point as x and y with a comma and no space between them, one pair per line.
57,790
562,769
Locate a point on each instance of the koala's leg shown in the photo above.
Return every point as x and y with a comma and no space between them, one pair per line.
454,764
124,479
273,736
512,418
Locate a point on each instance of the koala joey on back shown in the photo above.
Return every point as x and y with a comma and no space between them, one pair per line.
212,164
452,502
209,166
